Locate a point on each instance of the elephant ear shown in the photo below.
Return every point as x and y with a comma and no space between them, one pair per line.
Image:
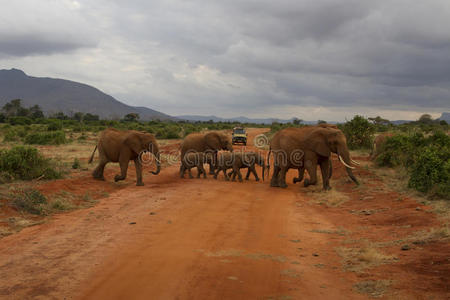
318,143
212,141
134,141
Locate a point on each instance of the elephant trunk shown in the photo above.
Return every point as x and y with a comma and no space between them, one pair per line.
158,164
344,157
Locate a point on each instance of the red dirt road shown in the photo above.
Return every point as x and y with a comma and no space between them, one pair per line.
210,239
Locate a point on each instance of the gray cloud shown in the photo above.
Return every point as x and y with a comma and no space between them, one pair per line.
244,57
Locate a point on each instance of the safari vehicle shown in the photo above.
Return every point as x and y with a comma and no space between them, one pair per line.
239,136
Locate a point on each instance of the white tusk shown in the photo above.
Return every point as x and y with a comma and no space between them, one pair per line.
355,162
343,162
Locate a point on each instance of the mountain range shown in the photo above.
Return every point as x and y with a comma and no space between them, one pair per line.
59,95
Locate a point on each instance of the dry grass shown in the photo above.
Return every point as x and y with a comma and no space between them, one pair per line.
330,198
340,231
374,288
360,259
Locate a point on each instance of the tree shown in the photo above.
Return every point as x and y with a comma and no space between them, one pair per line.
36,112
12,107
91,117
131,117
78,116
426,119
321,122
297,121
359,132
59,115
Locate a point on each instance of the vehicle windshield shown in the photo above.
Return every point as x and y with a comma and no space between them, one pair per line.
239,131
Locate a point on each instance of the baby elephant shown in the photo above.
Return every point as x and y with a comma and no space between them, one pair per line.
237,161
191,160
224,162
247,160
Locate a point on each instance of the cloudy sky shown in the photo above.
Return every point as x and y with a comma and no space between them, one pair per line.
321,59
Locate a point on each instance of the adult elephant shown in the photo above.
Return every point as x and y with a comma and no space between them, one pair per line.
306,148
378,144
122,146
206,142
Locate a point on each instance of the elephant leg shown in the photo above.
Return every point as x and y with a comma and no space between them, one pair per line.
98,171
325,169
216,173
190,173
274,181
138,166
182,170
238,172
253,170
248,174
202,170
227,178
282,177
330,172
301,174
311,167
230,173
123,162
211,169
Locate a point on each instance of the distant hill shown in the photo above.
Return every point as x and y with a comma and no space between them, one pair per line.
193,118
58,95
445,116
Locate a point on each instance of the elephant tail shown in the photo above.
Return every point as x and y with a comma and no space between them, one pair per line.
92,156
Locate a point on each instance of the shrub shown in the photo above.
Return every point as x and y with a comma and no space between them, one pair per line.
46,138
76,164
431,173
30,200
427,159
395,151
27,163
55,125
359,132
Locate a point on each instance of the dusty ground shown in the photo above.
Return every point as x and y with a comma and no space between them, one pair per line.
210,239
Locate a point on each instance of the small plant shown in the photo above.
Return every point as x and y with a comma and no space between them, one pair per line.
76,164
30,200
46,138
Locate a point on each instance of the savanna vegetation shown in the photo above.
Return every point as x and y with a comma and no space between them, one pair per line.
420,147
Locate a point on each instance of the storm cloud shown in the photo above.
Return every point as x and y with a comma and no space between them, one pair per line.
321,59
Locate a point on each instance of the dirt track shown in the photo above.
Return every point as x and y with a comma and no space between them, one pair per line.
211,239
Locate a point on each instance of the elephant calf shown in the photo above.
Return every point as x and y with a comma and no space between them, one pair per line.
247,160
237,161
191,160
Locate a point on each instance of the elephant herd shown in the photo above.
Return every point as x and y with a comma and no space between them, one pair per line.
292,148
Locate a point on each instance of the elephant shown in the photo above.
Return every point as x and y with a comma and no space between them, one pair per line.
224,161
306,148
378,144
247,160
191,160
301,170
206,142
122,146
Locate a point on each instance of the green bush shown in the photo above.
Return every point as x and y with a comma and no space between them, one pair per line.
30,200
431,173
359,132
55,125
46,138
396,151
27,163
427,160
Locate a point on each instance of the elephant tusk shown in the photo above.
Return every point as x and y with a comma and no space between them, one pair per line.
343,162
355,162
